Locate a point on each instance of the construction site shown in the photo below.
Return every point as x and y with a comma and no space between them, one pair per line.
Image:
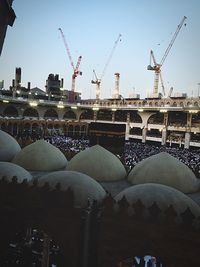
105,182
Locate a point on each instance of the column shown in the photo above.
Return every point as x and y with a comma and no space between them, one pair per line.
187,140
165,119
127,131
128,117
113,116
189,120
144,134
95,115
188,129
164,136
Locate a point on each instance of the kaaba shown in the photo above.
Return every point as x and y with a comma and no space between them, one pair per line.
108,135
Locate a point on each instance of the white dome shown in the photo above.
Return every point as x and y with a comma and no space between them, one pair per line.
162,195
8,170
83,186
164,169
8,147
40,156
98,163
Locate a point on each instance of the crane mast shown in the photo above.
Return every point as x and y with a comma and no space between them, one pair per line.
97,81
76,71
157,67
116,92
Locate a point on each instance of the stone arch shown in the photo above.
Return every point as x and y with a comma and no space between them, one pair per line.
136,131
36,130
77,129
196,118
31,112
104,114
87,115
56,125
174,104
26,128
121,115
27,125
50,125
57,128
15,129
162,104
35,125
51,114
83,130
177,118
135,117
70,130
10,127
196,104
10,111
157,118
69,115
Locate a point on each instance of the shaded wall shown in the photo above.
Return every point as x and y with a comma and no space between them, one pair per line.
7,17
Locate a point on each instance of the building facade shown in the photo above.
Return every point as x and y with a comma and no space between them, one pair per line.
164,121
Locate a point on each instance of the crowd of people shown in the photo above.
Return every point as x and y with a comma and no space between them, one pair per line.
68,145
133,152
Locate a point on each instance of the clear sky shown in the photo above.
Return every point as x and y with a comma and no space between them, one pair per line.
91,29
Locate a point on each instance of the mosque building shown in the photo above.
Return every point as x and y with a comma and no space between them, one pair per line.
90,210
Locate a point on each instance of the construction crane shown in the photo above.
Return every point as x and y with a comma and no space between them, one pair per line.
157,70
97,80
76,71
157,67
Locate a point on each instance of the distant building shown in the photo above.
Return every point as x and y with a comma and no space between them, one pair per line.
53,84
7,17
1,84
54,88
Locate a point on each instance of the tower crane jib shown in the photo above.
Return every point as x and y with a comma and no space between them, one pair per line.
172,40
75,69
98,81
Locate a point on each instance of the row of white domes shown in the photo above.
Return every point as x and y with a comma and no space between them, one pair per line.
99,164
155,176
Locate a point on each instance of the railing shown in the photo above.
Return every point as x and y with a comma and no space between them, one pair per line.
160,104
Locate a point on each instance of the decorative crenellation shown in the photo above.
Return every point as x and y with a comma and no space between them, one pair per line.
99,235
